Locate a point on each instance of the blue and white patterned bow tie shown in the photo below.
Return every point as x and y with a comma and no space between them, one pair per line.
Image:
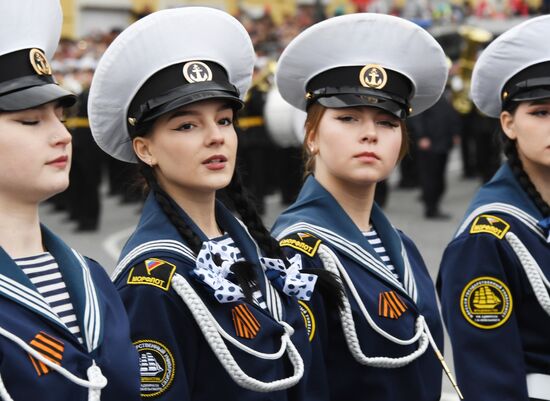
290,280
545,225
212,267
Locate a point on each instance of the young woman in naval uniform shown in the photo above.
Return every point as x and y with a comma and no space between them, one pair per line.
359,77
212,302
493,281
64,333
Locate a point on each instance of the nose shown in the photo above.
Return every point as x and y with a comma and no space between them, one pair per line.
368,133
60,135
214,135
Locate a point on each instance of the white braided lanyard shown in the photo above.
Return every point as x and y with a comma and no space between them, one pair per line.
422,331
535,275
95,383
214,335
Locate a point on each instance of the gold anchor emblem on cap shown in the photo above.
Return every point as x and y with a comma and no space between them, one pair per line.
39,62
373,76
197,71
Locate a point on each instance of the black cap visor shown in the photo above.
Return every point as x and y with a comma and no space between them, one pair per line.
182,96
175,104
339,98
347,100
36,96
532,94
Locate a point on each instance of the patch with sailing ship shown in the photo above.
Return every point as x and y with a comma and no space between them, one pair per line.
156,367
486,303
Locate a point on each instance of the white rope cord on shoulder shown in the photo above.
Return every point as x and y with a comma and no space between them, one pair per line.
95,383
4,395
213,334
534,273
332,264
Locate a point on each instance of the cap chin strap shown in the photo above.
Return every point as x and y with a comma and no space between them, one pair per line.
95,383
215,335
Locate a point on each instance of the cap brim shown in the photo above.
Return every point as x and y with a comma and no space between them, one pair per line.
36,96
532,94
193,98
353,100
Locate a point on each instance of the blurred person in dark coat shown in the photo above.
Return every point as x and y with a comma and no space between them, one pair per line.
85,176
434,131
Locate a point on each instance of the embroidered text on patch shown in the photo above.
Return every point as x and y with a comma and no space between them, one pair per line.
486,303
309,319
50,348
156,366
303,242
487,223
155,272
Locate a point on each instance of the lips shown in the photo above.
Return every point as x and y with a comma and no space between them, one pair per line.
215,159
367,155
59,160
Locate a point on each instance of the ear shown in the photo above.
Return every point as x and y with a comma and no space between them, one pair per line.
142,149
507,124
311,142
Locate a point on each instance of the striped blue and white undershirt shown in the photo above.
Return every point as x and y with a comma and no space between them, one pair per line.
43,271
375,241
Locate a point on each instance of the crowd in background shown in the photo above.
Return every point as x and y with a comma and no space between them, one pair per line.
75,62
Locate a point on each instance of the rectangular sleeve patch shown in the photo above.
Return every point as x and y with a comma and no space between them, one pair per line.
155,272
303,242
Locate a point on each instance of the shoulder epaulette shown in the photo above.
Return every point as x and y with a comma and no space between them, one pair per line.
152,271
486,223
303,242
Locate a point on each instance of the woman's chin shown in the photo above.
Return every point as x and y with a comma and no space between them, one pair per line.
54,189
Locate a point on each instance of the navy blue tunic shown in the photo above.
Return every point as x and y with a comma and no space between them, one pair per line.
103,324
316,219
499,331
177,361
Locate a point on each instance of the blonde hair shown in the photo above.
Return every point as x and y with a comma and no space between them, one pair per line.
314,115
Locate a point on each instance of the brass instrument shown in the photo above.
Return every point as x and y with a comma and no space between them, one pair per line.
473,38
263,79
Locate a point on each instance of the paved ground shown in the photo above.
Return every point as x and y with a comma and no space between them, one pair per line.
403,208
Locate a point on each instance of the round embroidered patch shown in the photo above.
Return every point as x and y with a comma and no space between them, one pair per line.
309,319
156,366
486,302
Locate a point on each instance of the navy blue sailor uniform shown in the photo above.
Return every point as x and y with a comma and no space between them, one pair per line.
493,285
30,330
317,228
177,358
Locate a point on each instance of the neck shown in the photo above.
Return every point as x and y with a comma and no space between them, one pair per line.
200,207
355,199
20,234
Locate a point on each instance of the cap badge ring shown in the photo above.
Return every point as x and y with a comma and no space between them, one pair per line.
373,76
39,62
197,71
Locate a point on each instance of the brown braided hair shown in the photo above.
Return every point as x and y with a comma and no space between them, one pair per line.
328,284
514,161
